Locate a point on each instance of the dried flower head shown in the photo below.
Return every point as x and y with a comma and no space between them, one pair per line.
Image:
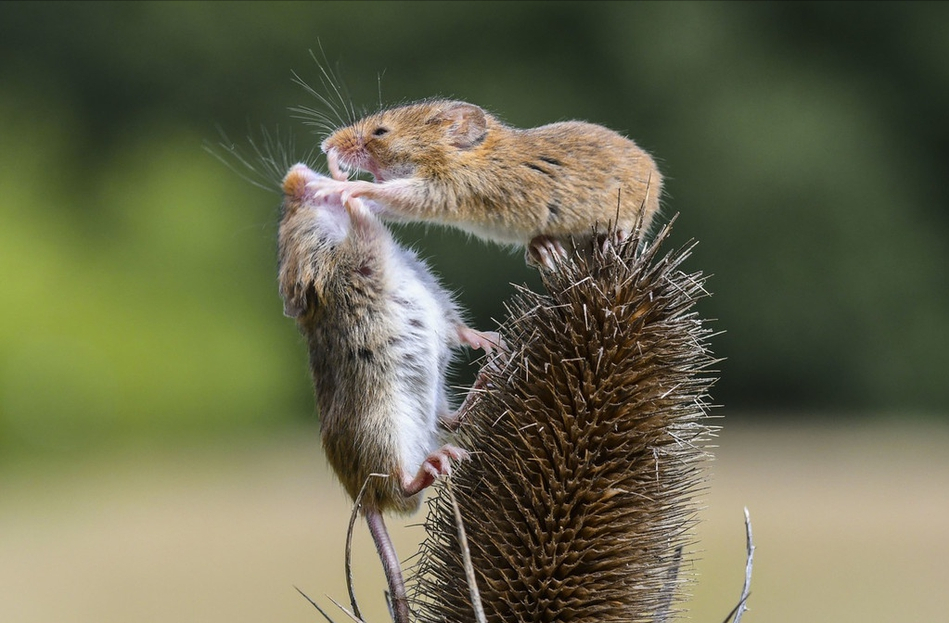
587,449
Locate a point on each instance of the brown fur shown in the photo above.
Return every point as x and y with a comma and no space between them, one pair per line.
369,342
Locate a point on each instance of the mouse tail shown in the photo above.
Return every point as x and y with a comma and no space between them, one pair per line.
390,564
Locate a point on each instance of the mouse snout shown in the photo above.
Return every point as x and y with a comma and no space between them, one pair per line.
345,152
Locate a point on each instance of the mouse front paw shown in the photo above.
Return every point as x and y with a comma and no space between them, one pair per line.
327,187
323,186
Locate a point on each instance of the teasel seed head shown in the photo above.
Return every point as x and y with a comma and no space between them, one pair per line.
588,447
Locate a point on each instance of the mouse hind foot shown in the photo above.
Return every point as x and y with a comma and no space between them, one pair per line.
480,340
545,252
436,464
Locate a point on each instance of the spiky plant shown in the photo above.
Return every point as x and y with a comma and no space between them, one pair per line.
587,450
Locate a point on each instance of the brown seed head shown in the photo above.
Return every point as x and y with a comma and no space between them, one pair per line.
587,450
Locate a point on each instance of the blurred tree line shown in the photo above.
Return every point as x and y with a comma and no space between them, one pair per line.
805,146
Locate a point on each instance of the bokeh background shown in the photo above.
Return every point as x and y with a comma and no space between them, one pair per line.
158,446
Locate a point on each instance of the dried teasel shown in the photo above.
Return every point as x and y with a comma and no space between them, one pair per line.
588,444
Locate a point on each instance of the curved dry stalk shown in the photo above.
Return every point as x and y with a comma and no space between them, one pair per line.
741,606
476,605
749,563
348,559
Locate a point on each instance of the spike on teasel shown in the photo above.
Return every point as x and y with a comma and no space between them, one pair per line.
587,450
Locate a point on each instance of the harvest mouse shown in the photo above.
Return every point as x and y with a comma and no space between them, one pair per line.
453,163
380,332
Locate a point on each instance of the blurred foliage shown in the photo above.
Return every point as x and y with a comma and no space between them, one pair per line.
805,145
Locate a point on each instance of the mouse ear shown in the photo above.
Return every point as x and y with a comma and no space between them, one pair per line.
468,125
294,289
293,307
294,300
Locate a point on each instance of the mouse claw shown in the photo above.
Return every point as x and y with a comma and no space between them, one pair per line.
354,205
323,187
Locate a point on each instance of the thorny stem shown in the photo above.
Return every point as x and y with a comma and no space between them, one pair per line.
314,604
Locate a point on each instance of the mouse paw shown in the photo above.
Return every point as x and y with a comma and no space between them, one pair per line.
436,464
544,251
607,240
326,187
480,340
482,384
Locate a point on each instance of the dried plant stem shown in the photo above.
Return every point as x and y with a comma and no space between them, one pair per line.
746,589
347,612
476,605
314,604
741,607
349,550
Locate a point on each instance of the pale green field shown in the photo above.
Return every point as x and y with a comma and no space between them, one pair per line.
851,524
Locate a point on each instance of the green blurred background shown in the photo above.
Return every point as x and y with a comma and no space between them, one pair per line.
805,145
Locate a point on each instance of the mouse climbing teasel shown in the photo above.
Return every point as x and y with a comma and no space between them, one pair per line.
380,331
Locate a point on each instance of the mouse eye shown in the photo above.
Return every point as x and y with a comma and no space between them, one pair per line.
380,131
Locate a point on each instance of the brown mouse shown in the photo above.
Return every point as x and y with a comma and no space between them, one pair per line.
453,163
380,332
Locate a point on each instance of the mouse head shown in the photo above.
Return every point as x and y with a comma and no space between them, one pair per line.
324,246
409,140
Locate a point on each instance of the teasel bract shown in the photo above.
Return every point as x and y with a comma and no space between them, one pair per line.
588,443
